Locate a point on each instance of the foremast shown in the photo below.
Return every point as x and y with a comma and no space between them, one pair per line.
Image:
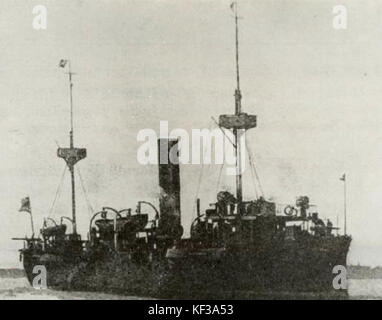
238,122
71,155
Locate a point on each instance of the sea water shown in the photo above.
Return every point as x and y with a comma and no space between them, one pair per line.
20,289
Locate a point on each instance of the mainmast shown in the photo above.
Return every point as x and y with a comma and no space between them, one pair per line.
239,185
240,121
71,155
237,91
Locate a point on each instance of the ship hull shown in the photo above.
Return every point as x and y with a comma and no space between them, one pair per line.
282,271
286,271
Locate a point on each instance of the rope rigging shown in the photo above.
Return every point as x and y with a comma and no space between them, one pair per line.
90,207
253,168
58,191
253,178
201,172
219,177
258,188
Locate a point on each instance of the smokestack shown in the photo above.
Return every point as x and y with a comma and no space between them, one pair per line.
169,183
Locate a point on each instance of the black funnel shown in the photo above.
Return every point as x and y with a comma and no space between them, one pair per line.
169,183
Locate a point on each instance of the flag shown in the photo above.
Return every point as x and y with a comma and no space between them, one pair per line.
232,5
25,205
63,63
343,178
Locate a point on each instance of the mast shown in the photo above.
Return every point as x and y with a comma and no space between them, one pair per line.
71,167
239,185
237,91
238,122
343,178
71,155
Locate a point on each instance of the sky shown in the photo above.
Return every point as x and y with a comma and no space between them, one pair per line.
315,90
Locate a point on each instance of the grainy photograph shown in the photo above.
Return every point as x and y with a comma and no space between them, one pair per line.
190,150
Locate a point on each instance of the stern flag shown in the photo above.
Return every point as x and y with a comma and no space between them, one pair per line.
232,5
25,205
63,63
343,178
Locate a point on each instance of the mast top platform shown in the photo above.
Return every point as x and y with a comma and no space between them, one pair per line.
238,121
71,155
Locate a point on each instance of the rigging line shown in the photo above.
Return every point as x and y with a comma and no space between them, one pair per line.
253,174
229,139
258,180
201,171
252,171
58,191
90,208
213,148
252,163
219,177
222,165
199,182
253,177
198,187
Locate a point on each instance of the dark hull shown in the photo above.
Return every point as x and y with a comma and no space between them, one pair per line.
288,270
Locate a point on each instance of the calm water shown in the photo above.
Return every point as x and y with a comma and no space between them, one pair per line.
365,289
19,289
